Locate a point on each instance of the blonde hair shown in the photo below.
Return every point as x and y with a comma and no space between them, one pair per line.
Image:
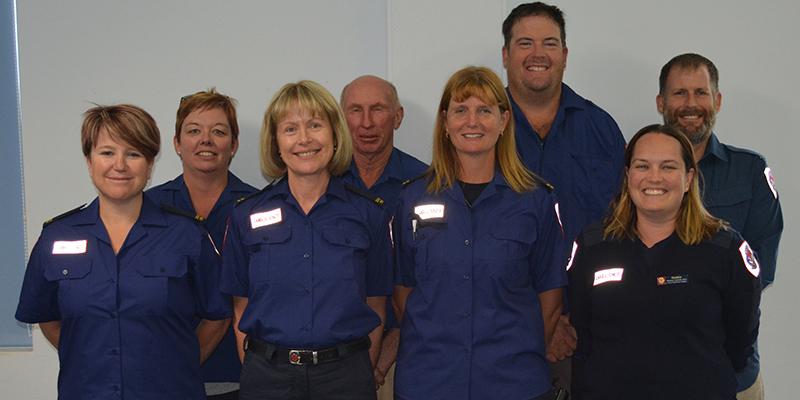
483,83
319,102
693,225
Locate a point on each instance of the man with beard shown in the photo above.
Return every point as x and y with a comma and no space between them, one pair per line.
373,112
738,183
569,141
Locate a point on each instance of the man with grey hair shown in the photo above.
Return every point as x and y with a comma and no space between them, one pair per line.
738,184
373,112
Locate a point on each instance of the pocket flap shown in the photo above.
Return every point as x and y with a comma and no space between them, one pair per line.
268,235
68,266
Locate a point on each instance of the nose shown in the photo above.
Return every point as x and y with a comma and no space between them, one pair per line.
367,121
303,137
120,164
205,137
691,100
472,118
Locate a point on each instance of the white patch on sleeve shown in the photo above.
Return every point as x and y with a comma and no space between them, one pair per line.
749,259
770,182
558,216
608,275
69,247
430,211
258,220
572,256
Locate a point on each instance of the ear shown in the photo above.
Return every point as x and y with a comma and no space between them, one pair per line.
89,165
719,101
566,50
505,57
506,117
660,104
689,178
176,142
235,146
398,117
150,168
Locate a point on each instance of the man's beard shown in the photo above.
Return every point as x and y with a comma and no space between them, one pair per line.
695,135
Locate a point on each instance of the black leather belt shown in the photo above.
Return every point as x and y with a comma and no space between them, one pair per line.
306,356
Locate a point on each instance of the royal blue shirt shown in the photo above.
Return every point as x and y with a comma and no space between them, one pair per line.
583,157
307,277
400,168
223,365
126,319
473,326
739,189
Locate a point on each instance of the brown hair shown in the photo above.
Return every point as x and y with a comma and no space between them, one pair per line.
125,123
207,100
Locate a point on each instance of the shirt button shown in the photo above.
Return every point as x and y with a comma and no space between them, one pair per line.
163,270
422,237
466,276
472,210
305,222
64,272
347,241
305,255
116,387
465,351
266,238
466,242
114,352
305,291
466,314
111,280
112,315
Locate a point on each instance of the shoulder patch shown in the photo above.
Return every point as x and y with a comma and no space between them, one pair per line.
64,215
200,220
416,178
363,193
250,196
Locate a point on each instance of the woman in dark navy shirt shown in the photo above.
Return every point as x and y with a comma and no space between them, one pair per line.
664,296
115,285
479,257
308,260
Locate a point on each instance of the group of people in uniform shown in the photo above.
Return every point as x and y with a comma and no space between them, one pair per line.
537,257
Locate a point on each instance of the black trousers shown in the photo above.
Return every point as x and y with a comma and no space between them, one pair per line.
350,378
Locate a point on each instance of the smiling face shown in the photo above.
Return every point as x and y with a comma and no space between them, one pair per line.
119,171
305,142
474,126
535,57
206,144
689,103
371,114
657,177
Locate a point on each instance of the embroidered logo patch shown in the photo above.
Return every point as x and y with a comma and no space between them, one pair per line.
749,259
608,275
69,247
430,211
672,280
770,182
258,220
572,256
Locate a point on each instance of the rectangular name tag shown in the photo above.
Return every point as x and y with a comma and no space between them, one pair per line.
608,275
430,211
672,280
258,220
69,247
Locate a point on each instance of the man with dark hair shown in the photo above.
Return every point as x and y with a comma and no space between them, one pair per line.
562,137
738,185
373,112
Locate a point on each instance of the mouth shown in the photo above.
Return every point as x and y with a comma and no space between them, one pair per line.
536,69
307,153
206,154
654,192
473,135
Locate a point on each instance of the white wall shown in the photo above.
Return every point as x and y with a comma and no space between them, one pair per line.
152,53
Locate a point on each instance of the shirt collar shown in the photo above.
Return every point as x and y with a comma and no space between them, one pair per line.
569,99
497,180
393,169
335,188
714,148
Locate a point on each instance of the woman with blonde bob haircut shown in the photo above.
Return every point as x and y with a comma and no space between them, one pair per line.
308,260
661,291
479,257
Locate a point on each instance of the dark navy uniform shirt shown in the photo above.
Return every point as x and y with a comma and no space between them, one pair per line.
127,318
400,168
583,158
473,326
669,322
223,365
307,277
739,189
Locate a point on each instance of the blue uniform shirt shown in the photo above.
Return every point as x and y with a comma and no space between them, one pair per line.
307,277
739,189
223,365
127,318
400,168
473,326
583,158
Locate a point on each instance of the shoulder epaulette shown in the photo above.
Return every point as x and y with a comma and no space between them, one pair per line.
543,183
367,195
64,215
416,178
200,220
245,198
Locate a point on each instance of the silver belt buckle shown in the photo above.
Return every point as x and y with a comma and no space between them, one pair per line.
294,356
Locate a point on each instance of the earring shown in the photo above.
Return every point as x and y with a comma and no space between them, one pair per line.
279,153
334,148
179,153
447,134
232,154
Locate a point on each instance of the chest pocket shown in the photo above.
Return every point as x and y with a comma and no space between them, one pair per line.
348,253
512,247
268,248
165,288
429,247
729,203
70,272
598,175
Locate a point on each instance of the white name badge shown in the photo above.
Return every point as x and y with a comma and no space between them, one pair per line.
69,247
608,275
258,220
749,259
430,211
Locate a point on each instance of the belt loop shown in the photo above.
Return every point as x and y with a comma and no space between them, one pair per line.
270,351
